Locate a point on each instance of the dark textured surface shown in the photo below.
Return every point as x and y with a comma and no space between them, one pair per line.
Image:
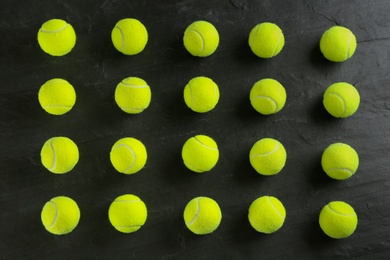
94,67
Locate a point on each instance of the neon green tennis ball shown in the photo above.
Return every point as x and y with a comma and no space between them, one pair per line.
268,96
341,100
267,214
133,95
127,213
268,156
200,153
60,215
201,94
128,155
202,215
338,44
340,161
56,37
59,155
266,40
338,220
201,39
129,36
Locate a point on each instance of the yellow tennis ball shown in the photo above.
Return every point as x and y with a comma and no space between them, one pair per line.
266,40
133,95
201,39
57,96
341,99
266,214
128,155
268,156
268,96
201,94
202,215
60,215
338,44
338,219
129,36
340,161
200,153
56,37
59,155
127,213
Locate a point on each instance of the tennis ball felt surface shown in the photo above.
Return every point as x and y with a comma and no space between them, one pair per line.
201,39
133,95
267,214
60,215
338,220
201,94
268,96
202,215
128,155
340,161
266,40
59,155
338,44
57,96
341,100
129,36
200,153
127,213
268,156
56,37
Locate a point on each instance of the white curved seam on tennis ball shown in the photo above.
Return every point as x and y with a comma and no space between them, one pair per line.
192,166
266,97
342,100
123,37
258,28
276,47
192,97
349,45
273,206
133,85
196,213
339,213
208,147
56,215
132,152
341,169
201,37
49,106
54,31
266,154
54,156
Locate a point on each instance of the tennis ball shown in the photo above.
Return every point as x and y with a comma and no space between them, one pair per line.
60,215
338,44
266,40
341,99
202,215
201,39
340,161
133,95
57,96
268,156
128,155
59,155
200,153
338,219
127,213
129,36
201,94
268,96
56,37
266,214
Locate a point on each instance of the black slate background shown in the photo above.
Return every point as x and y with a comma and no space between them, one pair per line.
94,67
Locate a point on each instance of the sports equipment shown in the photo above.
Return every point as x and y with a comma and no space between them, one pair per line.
338,219
56,37
60,215
57,96
340,161
59,155
338,44
268,156
129,36
266,214
268,96
127,213
128,155
201,94
202,215
200,153
341,99
201,39
133,95
266,40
